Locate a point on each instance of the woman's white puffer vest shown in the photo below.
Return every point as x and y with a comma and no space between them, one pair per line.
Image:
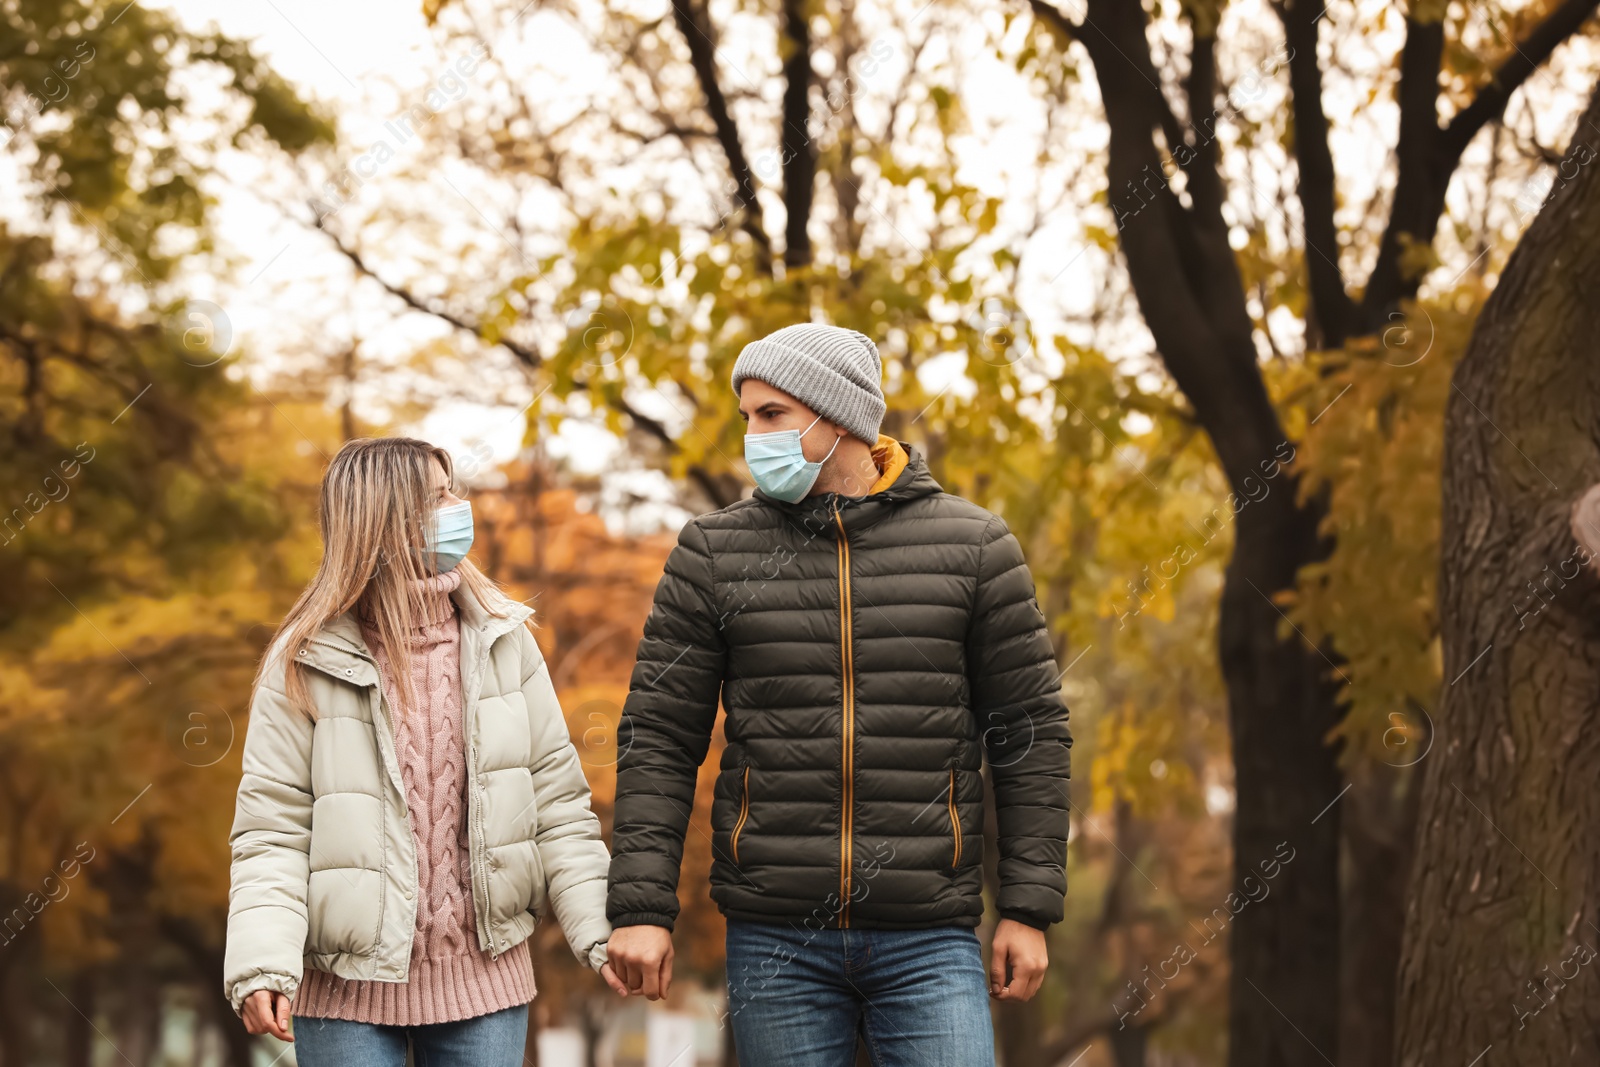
324,868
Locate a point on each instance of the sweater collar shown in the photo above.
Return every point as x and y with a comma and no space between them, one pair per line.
433,593
339,649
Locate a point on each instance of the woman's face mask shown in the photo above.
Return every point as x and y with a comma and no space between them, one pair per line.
449,535
778,463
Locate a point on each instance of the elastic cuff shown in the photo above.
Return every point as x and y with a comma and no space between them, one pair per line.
641,918
598,956
275,983
1025,918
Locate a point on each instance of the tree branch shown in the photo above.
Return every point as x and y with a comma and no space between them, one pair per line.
527,355
696,33
1332,309
799,152
1181,265
1414,214
846,193
720,491
1525,58
1199,161
1429,155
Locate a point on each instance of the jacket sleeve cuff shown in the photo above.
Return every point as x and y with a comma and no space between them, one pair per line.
276,983
642,918
598,956
1025,918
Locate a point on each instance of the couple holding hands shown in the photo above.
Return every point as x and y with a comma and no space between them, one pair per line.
411,802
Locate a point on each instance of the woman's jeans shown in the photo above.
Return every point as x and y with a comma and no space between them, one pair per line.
492,1040
798,997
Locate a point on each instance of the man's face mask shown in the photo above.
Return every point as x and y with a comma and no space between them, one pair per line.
778,463
449,536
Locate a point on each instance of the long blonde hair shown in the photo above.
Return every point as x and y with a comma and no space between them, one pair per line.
377,496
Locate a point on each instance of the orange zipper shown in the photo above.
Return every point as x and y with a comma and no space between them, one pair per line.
846,643
744,813
955,822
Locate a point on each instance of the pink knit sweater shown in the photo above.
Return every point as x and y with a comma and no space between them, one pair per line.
451,978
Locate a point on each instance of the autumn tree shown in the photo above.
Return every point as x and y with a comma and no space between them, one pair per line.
1501,920
137,535
1176,237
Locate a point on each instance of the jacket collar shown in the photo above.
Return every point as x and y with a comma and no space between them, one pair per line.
815,514
339,649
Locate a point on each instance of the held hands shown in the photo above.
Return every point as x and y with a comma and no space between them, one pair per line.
267,1012
642,957
1018,959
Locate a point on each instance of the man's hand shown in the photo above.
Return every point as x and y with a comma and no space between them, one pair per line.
267,1012
642,958
1018,959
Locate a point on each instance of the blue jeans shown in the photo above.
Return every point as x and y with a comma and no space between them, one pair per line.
492,1040
798,997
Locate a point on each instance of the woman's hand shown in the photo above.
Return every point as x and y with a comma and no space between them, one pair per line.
612,980
267,1012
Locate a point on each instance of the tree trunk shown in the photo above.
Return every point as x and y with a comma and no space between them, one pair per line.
78,1021
1379,837
1284,991
19,961
1128,1046
1502,921
1283,1005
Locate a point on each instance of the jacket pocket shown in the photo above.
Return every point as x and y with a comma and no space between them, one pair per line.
955,825
744,813
344,910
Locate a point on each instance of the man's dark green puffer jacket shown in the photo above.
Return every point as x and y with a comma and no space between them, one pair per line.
868,651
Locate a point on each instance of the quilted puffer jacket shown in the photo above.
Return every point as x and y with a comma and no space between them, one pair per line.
869,652
324,868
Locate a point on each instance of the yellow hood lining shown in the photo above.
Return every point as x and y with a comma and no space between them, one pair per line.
891,459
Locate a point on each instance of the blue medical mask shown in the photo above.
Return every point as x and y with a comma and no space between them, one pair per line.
449,535
778,463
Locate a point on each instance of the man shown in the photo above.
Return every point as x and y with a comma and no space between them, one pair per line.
871,638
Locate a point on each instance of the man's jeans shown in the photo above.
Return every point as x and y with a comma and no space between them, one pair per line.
798,997
492,1040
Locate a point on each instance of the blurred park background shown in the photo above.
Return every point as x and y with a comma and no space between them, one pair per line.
1216,302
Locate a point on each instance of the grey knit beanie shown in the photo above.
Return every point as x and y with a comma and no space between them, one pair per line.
833,371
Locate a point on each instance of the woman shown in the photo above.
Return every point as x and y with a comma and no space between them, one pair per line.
411,800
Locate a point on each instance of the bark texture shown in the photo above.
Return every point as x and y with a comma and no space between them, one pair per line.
1502,919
